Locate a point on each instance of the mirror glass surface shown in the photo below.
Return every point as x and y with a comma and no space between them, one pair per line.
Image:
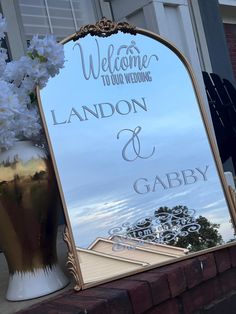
132,153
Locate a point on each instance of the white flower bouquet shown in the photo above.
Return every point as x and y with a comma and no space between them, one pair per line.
19,118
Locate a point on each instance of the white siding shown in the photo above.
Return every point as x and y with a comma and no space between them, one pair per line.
60,17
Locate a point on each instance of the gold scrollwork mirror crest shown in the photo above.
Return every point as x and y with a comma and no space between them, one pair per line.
139,175
71,260
104,28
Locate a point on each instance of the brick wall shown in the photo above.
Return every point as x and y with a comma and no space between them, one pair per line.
202,285
230,32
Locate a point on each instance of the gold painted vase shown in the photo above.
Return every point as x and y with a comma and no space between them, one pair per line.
28,222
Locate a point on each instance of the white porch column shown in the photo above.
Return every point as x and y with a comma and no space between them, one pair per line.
15,34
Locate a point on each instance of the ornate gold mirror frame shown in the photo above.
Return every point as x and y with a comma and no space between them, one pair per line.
122,248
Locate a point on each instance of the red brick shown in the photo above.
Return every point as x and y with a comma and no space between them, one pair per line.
208,265
232,254
230,31
228,281
211,289
193,272
139,293
118,300
52,309
168,307
91,305
192,301
175,277
196,298
222,259
158,284
68,303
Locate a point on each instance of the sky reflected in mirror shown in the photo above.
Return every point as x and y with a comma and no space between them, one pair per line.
128,137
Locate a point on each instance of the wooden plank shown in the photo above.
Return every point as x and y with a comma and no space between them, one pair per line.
220,88
219,114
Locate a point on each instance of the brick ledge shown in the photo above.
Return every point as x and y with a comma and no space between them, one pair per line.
201,284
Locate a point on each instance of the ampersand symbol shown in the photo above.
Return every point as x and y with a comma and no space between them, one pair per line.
136,145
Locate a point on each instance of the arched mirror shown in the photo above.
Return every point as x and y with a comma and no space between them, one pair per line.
139,176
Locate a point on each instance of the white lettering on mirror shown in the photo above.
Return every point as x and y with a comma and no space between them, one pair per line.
170,180
102,110
115,59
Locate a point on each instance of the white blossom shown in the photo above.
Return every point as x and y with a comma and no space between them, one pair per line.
50,50
18,80
8,100
15,71
28,122
9,106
